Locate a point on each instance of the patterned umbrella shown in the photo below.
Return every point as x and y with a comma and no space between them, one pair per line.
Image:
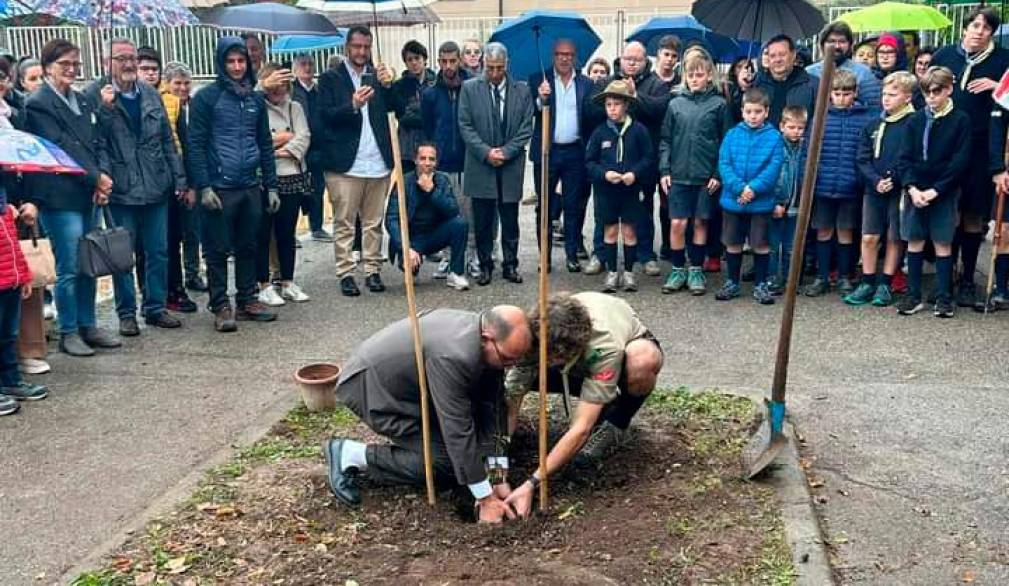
373,12
21,152
109,13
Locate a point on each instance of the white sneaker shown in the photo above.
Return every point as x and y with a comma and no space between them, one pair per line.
270,297
49,311
33,366
474,268
293,292
457,282
443,269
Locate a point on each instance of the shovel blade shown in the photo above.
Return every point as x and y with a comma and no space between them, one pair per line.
766,442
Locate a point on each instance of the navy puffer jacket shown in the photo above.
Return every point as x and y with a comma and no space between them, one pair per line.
230,146
838,176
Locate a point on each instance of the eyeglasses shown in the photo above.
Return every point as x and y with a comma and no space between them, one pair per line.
933,91
471,51
4,78
506,363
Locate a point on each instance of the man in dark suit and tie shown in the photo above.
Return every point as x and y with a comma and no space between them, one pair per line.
466,354
564,89
496,122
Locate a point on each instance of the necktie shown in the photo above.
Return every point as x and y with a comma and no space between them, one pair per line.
499,108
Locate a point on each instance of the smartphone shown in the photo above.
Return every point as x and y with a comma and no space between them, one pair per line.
368,78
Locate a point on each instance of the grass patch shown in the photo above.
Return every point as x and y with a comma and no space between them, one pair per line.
708,404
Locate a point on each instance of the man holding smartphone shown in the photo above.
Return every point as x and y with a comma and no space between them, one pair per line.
356,155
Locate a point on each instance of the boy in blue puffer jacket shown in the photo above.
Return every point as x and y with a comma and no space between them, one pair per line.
838,185
749,162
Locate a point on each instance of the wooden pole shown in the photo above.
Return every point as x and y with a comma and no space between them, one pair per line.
411,305
802,223
545,245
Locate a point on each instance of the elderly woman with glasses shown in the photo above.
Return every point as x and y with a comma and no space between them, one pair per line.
472,57
65,204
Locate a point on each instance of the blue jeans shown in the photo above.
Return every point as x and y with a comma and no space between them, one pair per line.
10,322
147,224
452,233
75,293
782,237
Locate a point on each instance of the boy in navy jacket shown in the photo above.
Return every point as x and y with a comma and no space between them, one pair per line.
931,169
619,156
837,203
879,155
786,208
749,162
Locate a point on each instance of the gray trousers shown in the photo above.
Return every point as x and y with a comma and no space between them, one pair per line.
402,462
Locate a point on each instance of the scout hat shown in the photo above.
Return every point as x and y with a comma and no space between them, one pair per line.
617,88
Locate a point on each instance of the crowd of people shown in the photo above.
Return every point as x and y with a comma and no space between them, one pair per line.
910,164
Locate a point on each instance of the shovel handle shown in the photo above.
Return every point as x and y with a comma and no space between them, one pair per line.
801,225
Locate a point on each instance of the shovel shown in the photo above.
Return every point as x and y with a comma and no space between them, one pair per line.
768,441
996,240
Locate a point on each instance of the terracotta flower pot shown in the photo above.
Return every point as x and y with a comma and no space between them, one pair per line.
318,383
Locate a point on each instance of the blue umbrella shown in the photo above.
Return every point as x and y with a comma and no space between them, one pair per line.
530,39
296,43
687,28
270,17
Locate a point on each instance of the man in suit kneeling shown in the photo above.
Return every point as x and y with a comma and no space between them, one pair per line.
465,354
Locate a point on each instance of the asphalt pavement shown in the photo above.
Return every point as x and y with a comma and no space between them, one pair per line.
903,417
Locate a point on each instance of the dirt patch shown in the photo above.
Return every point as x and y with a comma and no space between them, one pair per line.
669,508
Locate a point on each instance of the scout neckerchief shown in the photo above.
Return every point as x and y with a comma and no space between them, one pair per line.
930,118
897,116
976,59
620,135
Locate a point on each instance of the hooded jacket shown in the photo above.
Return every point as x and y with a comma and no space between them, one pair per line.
693,129
838,176
750,156
229,131
440,114
145,167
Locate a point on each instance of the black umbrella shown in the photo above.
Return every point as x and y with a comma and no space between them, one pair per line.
270,17
759,20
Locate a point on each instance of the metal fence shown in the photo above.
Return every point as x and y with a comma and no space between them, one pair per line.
194,45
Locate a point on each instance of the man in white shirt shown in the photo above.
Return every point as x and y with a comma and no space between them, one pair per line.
356,156
564,89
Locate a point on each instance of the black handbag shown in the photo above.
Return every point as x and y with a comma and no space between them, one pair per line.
105,251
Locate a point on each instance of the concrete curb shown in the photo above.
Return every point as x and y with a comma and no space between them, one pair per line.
170,499
802,526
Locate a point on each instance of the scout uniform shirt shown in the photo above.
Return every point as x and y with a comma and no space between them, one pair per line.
614,325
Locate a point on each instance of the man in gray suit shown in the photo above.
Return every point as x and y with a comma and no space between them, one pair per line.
465,354
496,123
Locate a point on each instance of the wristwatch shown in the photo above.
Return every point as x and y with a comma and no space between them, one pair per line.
534,481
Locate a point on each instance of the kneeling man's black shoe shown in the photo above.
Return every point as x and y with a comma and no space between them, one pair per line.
342,484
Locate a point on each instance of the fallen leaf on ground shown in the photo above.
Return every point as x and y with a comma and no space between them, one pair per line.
177,565
145,578
968,576
123,564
